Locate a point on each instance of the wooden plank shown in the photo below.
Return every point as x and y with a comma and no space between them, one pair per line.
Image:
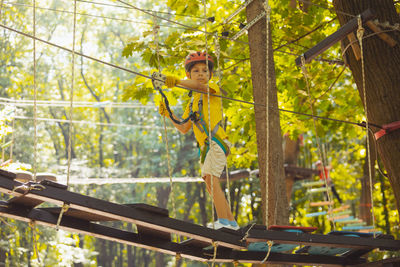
45,218
335,37
340,217
292,227
321,203
384,36
29,201
283,258
128,214
79,214
344,207
391,262
314,214
152,209
354,45
7,174
256,235
26,201
318,190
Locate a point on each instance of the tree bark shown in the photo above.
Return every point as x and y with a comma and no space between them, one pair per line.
276,176
382,79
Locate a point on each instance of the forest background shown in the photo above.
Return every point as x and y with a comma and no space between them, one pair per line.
117,132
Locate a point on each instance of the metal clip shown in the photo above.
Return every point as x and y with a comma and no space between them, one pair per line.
158,80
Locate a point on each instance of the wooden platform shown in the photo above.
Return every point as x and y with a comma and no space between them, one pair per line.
154,228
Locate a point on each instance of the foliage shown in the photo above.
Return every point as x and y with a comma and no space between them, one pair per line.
118,133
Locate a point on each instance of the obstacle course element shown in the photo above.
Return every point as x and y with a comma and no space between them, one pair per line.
154,228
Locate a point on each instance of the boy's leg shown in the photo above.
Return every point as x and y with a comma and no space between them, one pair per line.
220,202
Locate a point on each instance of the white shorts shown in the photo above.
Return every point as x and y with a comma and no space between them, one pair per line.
215,160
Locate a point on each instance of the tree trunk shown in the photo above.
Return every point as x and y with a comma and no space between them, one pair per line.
382,79
276,176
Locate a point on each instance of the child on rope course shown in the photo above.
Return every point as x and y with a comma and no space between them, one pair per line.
213,155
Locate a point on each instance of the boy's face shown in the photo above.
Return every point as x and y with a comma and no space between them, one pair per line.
199,73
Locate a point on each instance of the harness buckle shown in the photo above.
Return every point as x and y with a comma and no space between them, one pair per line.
158,80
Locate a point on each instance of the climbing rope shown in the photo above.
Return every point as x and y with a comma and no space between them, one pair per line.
64,209
219,74
26,187
32,224
34,96
178,258
209,117
304,71
71,98
215,246
270,244
246,235
12,138
360,33
267,21
155,33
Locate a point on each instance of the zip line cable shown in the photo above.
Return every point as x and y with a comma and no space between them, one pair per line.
151,127
149,77
360,33
34,96
164,25
90,15
328,8
77,104
181,24
154,11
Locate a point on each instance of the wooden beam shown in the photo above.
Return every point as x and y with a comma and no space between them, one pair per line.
335,37
285,258
259,234
354,45
384,36
71,224
135,215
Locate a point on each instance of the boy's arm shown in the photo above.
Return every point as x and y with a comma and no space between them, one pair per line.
172,81
195,85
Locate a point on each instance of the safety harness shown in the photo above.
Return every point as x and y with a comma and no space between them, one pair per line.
196,117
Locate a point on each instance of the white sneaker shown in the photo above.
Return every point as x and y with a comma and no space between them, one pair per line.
224,223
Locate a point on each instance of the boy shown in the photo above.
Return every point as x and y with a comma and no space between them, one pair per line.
213,155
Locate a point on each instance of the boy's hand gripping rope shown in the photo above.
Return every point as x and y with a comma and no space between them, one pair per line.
158,80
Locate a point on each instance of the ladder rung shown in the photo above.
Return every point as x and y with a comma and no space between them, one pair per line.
340,213
321,203
343,220
317,190
358,227
345,207
337,218
358,224
311,184
316,214
352,221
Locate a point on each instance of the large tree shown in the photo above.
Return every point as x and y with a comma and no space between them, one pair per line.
264,82
382,79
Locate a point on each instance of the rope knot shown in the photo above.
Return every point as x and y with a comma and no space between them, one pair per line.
360,30
64,208
267,8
